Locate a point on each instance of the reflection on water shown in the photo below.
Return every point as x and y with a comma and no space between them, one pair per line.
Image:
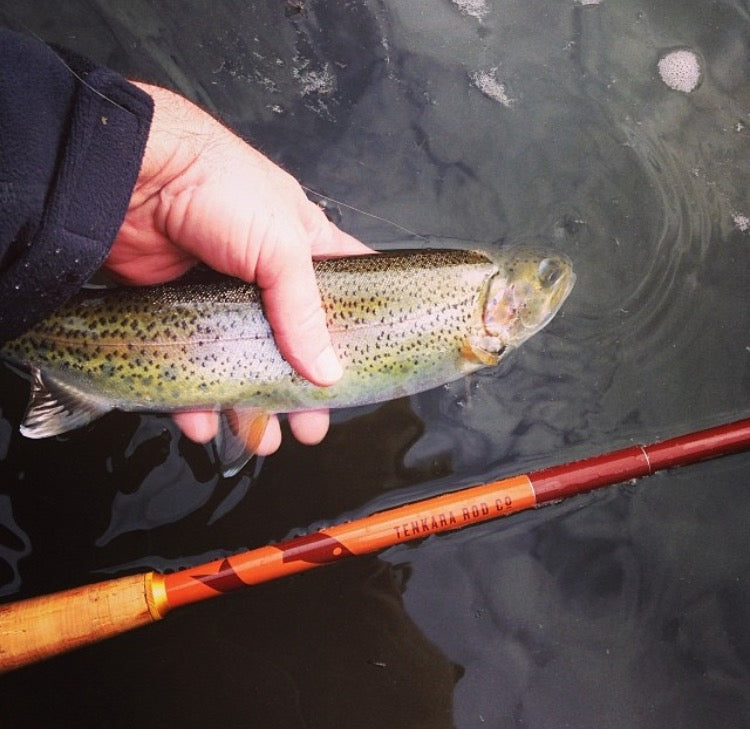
489,123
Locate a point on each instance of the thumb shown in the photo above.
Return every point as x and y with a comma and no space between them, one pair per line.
295,312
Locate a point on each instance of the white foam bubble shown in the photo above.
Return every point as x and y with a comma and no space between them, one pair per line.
741,222
321,82
680,70
476,8
487,83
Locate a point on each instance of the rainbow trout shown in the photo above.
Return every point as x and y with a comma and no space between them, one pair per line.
401,322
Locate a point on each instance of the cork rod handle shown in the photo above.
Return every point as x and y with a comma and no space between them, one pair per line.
42,627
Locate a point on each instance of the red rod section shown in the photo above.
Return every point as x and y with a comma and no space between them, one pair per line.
559,482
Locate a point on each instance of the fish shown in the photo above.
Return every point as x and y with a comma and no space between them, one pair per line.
401,322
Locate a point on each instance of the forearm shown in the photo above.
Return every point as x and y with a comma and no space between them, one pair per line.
73,140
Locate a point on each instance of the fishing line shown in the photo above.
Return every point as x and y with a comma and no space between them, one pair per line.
304,187
364,212
70,70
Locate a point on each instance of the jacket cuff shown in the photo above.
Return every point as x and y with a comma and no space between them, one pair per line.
86,205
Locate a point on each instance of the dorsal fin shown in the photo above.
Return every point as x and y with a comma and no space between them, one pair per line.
56,407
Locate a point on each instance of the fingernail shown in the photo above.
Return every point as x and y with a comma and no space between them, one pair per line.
327,367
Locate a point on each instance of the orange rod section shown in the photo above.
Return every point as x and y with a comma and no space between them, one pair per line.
369,534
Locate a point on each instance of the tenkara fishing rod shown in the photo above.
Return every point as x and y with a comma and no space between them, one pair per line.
41,627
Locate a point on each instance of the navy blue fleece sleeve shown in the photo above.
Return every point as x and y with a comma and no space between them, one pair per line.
72,137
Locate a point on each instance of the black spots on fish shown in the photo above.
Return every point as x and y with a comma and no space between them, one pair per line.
169,375
396,263
106,369
193,345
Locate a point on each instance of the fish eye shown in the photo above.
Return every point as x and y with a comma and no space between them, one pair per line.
549,272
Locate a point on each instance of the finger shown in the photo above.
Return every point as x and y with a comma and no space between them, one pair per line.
199,425
271,439
327,239
292,299
309,427
295,312
338,243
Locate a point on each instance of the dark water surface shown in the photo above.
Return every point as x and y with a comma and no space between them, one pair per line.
483,121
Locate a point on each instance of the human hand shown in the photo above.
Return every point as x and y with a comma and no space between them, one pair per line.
205,195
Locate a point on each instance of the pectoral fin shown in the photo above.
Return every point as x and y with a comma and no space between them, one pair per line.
476,350
240,433
56,407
